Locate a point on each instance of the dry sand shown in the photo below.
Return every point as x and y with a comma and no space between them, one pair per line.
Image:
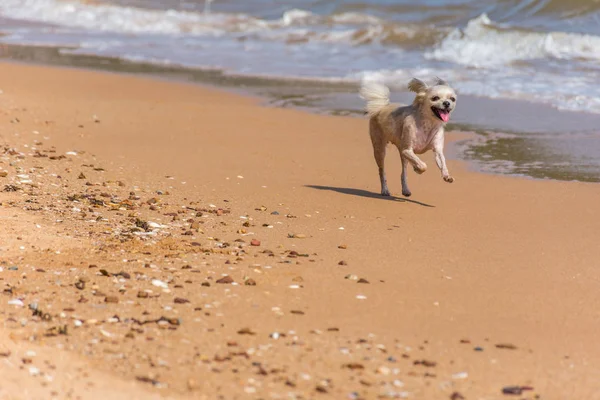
134,197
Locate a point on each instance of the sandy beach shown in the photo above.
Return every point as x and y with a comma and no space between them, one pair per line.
165,240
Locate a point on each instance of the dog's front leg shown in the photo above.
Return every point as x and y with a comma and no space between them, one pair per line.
440,160
409,138
418,165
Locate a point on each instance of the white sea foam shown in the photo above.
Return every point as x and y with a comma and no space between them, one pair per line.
113,18
483,43
131,20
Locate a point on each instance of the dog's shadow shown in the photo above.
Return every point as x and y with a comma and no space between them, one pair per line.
365,193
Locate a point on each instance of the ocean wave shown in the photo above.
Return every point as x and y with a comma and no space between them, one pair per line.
294,26
481,43
113,18
558,9
484,43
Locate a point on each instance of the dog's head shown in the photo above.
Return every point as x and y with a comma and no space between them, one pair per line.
436,101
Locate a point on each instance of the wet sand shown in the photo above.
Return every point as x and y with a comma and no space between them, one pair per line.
512,137
178,241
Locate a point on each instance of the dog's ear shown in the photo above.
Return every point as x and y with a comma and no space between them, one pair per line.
440,82
417,85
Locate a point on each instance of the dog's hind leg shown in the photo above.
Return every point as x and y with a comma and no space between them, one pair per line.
379,157
379,152
405,190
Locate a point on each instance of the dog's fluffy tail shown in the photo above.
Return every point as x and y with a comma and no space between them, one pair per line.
377,96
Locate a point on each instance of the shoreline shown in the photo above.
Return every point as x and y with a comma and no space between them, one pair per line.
148,192
498,144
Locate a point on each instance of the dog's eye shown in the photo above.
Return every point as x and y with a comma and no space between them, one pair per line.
452,99
435,98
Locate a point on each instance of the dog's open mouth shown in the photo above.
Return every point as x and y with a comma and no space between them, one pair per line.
444,115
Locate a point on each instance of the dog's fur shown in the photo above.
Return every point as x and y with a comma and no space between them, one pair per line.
413,129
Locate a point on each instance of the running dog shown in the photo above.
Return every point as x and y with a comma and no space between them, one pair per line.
413,129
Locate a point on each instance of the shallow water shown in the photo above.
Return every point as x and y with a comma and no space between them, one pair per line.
541,51
519,66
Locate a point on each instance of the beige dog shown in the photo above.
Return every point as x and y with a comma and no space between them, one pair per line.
413,129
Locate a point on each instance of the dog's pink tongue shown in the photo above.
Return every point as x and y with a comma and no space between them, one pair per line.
445,115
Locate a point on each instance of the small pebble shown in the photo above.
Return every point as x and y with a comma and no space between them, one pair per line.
225,280
425,363
383,370
354,366
507,346
192,384
515,390
321,389
105,333
160,284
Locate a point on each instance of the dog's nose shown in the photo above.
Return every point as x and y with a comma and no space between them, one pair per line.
446,104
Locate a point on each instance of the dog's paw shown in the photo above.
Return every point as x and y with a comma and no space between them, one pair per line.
406,193
385,192
449,179
419,169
